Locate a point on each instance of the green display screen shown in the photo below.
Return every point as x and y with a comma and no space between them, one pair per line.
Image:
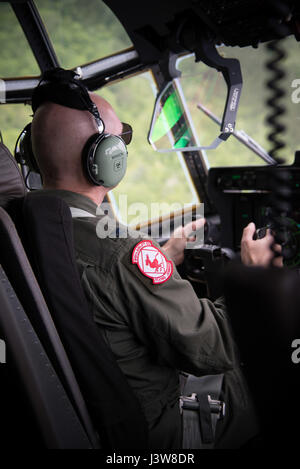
170,127
170,114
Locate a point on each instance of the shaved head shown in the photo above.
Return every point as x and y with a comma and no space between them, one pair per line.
59,134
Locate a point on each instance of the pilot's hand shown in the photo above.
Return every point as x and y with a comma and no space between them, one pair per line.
258,252
175,246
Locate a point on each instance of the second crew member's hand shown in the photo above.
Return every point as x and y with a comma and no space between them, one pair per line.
259,252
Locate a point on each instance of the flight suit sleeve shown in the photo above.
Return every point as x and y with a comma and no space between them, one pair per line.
189,334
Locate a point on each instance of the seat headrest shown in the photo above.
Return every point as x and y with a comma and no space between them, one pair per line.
11,181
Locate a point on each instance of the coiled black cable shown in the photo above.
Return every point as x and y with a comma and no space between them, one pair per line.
276,108
280,202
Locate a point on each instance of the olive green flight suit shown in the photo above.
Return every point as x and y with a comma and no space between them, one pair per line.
156,330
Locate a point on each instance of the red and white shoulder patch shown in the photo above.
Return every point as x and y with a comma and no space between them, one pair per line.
152,262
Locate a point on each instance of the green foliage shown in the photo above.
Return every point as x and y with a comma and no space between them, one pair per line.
16,58
82,31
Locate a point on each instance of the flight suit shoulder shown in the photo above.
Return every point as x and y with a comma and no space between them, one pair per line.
102,252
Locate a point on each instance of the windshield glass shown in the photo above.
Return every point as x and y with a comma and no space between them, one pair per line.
82,32
155,185
206,87
16,57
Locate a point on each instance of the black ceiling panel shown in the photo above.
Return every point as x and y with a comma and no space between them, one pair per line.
157,26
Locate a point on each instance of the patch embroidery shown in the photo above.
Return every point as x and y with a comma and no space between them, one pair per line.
152,262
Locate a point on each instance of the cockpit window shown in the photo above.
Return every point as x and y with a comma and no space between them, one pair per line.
205,88
82,32
13,118
155,184
16,57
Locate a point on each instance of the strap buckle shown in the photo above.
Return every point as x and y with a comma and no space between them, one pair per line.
192,403
209,410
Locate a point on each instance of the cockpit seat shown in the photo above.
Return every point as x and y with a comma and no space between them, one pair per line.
41,401
110,400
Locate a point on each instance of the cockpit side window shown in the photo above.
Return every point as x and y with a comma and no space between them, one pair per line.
82,32
13,118
16,57
205,86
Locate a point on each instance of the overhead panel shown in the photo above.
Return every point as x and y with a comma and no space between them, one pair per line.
156,27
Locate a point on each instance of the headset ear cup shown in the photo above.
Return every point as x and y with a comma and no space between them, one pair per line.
105,159
25,149
87,159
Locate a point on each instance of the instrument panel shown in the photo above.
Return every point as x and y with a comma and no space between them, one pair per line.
245,194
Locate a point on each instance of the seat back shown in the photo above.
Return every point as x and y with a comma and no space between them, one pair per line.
50,406
18,270
12,184
265,327
114,408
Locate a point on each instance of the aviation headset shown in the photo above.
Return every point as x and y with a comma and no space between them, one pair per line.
104,156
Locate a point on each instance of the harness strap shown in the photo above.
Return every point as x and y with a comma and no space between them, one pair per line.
201,409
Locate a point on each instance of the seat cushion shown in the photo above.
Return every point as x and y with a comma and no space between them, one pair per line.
11,181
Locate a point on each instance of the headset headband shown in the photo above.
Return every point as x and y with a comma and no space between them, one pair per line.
62,87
